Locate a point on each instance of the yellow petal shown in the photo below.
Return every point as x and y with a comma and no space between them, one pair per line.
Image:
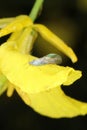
5,21
23,95
15,66
19,23
54,103
15,35
26,40
3,83
10,89
55,40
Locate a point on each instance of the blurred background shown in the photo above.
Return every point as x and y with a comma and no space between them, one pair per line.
68,19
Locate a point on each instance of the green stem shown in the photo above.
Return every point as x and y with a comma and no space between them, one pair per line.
35,10
33,15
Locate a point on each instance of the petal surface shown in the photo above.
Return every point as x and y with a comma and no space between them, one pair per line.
15,66
54,103
5,21
19,23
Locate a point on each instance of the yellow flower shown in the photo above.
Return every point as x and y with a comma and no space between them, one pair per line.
38,86
23,21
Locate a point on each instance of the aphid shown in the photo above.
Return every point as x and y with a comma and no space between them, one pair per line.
51,58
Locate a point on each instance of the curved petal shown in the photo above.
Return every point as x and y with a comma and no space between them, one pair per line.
5,21
54,103
56,41
19,23
24,40
15,66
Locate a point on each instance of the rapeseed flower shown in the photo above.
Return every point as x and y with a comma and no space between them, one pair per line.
23,21
38,86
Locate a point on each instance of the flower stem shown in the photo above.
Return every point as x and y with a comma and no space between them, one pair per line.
33,15
35,10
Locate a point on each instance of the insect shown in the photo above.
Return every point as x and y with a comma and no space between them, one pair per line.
51,58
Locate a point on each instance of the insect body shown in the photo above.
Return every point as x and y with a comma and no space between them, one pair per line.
51,58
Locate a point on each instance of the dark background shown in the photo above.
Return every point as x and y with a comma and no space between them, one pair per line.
68,19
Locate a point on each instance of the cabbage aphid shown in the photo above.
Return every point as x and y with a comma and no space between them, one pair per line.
51,58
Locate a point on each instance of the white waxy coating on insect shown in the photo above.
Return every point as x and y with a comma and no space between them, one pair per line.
51,58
